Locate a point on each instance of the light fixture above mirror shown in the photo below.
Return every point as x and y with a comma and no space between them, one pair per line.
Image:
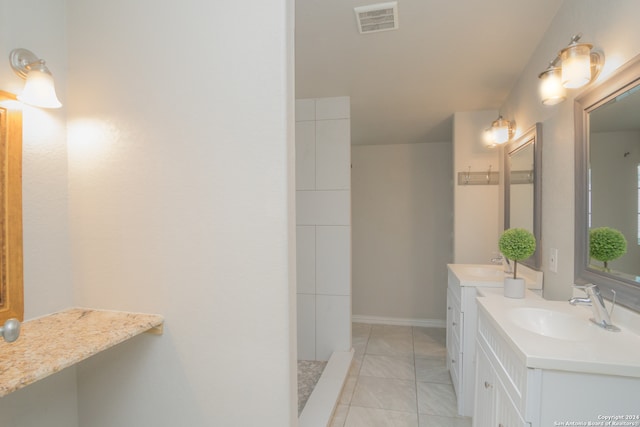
500,132
39,89
575,66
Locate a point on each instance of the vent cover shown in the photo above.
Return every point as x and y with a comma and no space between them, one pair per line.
377,17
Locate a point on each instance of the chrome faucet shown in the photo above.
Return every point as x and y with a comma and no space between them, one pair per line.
501,259
601,316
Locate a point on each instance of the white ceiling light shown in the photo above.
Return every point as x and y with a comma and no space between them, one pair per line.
377,17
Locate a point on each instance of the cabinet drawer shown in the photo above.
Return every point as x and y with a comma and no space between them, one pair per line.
455,366
457,321
511,371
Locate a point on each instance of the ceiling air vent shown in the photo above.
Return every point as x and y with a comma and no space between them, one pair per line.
377,17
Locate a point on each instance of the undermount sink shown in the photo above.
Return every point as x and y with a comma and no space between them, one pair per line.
549,323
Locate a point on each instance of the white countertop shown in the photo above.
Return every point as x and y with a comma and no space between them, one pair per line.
591,350
492,275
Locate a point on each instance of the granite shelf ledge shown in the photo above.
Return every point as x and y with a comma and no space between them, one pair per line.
51,343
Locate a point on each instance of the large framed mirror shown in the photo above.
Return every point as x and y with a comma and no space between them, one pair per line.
11,275
523,187
607,152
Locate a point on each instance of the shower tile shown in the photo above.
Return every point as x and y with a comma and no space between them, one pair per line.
305,155
385,393
323,207
306,259
400,367
305,109
333,155
369,417
306,323
333,260
436,399
338,107
333,318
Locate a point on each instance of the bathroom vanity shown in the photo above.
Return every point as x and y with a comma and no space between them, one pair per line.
464,280
543,363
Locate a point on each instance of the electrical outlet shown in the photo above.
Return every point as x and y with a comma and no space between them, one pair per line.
553,260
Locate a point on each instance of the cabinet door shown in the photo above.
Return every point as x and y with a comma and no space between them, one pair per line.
506,413
484,408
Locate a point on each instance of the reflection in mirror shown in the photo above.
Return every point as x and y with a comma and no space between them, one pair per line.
608,181
522,186
11,289
614,174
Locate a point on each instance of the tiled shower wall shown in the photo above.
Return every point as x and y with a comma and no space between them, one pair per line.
323,218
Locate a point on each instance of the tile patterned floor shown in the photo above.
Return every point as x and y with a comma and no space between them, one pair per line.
398,378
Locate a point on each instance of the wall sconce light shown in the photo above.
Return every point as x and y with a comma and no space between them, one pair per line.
502,130
551,90
39,90
574,66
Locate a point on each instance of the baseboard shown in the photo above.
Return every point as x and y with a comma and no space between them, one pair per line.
399,321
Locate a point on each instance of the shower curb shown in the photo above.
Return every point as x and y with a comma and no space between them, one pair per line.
324,397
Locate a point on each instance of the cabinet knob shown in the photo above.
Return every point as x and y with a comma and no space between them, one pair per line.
500,425
449,308
454,323
453,360
487,384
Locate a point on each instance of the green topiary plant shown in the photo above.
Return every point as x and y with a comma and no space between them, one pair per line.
606,244
517,244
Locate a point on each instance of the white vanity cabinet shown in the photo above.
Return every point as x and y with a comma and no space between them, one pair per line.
461,327
510,393
463,283
493,405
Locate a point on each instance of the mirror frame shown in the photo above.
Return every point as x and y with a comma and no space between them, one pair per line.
11,260
623,79
531,136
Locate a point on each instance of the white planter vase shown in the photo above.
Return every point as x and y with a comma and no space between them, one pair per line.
514,288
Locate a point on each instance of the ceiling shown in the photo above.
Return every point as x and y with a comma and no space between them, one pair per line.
405,84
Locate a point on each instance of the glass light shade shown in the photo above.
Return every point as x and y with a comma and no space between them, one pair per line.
487,138
576,65
500,130
551,90
39,90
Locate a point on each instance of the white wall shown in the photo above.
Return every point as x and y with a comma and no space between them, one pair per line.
323,218
180,173
478,219
402,224
611,27
47,265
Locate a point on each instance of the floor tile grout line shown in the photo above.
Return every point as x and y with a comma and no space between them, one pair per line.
415,373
